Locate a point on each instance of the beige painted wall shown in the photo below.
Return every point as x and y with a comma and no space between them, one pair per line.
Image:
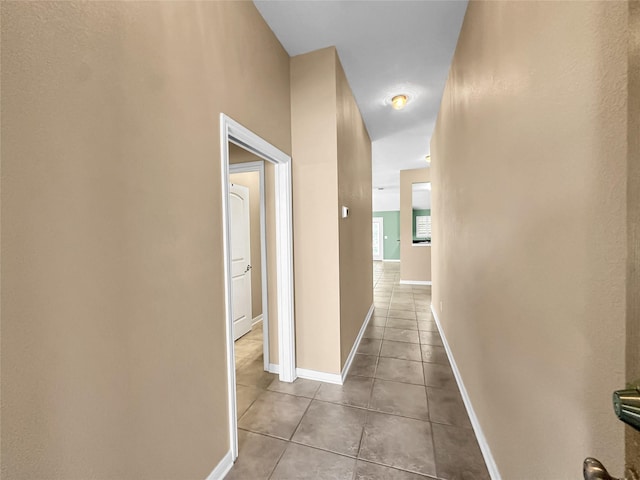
251,180
415,260
331,167
113,335
354,191
633,224
315,215
529,174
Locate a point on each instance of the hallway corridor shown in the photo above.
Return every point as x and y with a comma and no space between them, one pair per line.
399,415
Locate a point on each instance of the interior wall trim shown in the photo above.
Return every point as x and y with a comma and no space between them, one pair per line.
482,440
356,344
334,378
391,260
257,319
233,132
222,468
274,368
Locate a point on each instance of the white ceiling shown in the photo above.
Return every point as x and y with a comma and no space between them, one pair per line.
386,48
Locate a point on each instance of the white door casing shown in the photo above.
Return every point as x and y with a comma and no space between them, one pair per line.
232,131
240,259
378,236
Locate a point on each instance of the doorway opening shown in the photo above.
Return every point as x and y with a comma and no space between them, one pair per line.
231,132
249,263
378,241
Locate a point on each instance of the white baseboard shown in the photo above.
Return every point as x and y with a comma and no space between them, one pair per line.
391,260
334,378
356,344
482,441
415,282
222,468
319,376
257,319
274,368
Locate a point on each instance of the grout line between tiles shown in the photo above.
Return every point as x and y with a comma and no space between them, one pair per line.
279,459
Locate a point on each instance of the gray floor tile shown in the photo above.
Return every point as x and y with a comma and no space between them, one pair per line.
274,414
373,332
427,325
397,288
332,427
430,338
408,306
301,387
356,392
378,321
245,346
363,365
400,399
401,335
372,471
458,455
255,333
395,445
369,346
421,289
439,376
400,371
258,456
401,350
446,406
409,315
402,297
245,396
306,463
398,442
402,323
253,375
434,354
382,293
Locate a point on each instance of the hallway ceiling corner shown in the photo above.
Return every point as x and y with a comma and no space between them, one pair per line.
386,48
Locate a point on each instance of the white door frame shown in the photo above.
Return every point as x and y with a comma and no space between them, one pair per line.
232,131
259,167
380,220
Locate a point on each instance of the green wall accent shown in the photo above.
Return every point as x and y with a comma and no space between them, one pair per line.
391,230
413,220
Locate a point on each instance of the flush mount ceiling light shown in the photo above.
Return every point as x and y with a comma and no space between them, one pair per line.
398,102
428,158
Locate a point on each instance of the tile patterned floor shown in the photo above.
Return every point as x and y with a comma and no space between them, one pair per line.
399,415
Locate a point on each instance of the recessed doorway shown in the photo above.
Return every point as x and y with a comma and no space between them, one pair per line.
231,132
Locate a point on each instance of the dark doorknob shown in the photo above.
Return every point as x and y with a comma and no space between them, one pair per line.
626,404
593,469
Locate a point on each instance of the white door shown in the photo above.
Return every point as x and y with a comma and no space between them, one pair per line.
378,243
240,260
